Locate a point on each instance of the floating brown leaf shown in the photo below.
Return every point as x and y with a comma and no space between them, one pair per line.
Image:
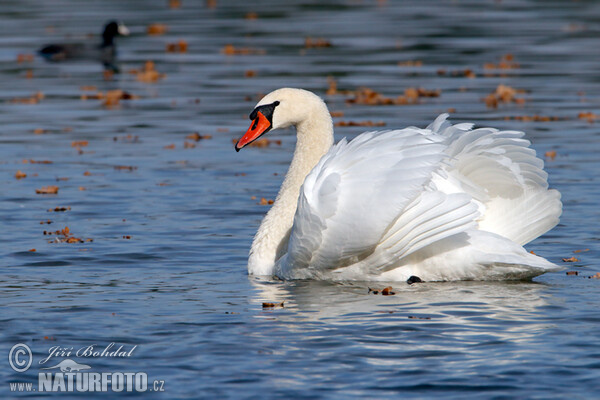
20,174
264,202
589,116
33,99
197,137
410,63
551,154
271,305
180,46
231,50
79,143
311,43
23,58
59,209
387,291
157,29
47,190
125,168
572,273
148,74
506,62
570,259
30,161
503,94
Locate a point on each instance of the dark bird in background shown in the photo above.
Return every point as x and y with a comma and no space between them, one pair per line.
104,52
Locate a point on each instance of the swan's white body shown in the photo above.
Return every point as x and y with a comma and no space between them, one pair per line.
441,203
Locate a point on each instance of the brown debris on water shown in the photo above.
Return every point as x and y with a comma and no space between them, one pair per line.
170,147
59,209
410,63
51,189
231,50
570,259
20,174
33,99
251,15
313,43
272,305
65,236
157,29
111,98
387,291
550,154
173,4
148,74
180,46
198,137
80,143
39,131
588,116
129,168
503,94
506,62
24,58
265,202
533,118
367,96
30,161
581,251
572,273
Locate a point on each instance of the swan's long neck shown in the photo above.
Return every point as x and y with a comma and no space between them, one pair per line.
315,137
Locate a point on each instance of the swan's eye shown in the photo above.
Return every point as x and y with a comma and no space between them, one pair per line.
266,110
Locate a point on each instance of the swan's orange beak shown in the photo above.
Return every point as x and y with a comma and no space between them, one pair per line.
260,125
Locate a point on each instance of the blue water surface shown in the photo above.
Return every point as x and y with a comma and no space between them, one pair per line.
171,226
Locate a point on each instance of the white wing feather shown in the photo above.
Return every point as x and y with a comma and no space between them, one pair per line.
372,202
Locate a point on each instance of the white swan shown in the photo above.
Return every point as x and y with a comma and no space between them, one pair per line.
441,203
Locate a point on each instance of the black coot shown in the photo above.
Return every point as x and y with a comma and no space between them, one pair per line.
105,52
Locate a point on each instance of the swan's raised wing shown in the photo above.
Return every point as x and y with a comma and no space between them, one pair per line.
361,189
501,172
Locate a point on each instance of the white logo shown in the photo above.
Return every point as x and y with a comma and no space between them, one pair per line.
69,366
17,363
70,376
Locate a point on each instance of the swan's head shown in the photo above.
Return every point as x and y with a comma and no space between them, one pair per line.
280,109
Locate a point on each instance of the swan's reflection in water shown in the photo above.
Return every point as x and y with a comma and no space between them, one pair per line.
427,320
